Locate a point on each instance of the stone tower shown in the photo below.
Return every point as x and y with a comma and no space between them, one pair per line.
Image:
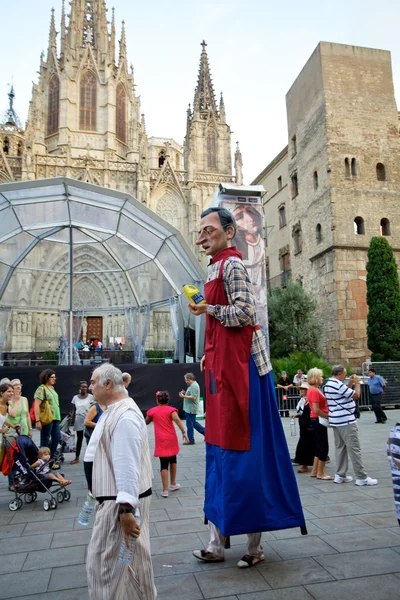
11,142
344,173
84,117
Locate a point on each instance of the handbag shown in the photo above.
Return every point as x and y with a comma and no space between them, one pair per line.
323,421
45,414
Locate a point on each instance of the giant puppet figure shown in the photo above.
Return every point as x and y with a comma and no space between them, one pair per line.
250,484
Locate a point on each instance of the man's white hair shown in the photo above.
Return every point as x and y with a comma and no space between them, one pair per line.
126,377
109,372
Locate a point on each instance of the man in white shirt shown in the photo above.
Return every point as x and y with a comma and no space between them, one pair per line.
342,407
299,378
126,378
122,477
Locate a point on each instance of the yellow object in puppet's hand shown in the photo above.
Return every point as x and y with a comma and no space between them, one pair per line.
193,294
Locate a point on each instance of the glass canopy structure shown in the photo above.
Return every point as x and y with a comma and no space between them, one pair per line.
73,244
70,246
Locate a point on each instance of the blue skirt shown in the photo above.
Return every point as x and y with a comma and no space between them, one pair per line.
249,492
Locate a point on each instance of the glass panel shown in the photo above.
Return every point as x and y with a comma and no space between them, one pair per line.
92,233
93,257
8,222
102,198
4,269
40,193
12,248
47,256
150,283
173,267
139,214
128,256
93,216
140,236
42,213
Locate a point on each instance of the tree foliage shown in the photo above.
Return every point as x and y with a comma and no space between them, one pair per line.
292,322
300,360
383,299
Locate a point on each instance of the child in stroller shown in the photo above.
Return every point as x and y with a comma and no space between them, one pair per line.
42,467
19,456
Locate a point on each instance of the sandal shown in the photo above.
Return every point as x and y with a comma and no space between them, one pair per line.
325,478
249,561
65,483
207,556
303,470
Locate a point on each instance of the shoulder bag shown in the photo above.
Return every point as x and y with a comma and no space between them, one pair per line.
46,414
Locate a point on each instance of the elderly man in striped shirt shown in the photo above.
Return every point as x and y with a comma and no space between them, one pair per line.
341,404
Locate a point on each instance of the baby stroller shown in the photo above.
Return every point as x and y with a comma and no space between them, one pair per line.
28,482
68,442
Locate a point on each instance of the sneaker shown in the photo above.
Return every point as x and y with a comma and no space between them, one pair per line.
188,443
367,481
346,479
174,487
164,494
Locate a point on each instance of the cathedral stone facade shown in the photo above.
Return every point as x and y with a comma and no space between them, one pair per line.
85,122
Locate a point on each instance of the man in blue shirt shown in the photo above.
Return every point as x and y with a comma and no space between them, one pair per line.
377,386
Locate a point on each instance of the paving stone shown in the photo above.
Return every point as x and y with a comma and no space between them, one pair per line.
381,587
61,578
186,512
24,584
361,540
49,527
56,557
336,510
71,538
160,503
30,516
294,532
338,524
74,594
299,547
377,505
158,515
175,543
360,564
29,543
11,563
174,588
175,563
192,501
219,583
187,491
294,593
379,491
12,530
293,572
346,496
378,520
183,526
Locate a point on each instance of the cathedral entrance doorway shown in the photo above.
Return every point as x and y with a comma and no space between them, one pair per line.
94,329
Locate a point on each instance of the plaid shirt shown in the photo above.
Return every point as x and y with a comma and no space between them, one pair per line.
241,310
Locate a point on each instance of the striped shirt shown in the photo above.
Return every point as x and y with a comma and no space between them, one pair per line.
241,310
340,403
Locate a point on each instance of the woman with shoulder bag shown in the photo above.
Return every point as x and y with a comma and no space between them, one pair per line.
319,417
6,395
47,412
18,410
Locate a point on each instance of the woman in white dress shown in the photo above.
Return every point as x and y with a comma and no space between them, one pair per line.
81,404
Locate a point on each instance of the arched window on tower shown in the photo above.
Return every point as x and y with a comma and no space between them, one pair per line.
121,113
88,102
353,167
19,149
161,158
315,180
346,167
385,226
380,172
6,145
359,228
53,104
318,233
177,161
212,150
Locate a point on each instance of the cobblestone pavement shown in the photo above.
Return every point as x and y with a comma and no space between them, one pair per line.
352,550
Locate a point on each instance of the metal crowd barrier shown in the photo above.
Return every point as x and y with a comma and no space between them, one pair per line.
288,399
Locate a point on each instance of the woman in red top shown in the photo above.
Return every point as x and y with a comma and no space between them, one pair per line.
318,408
167,445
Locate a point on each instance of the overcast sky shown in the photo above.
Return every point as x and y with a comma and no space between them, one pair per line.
256,49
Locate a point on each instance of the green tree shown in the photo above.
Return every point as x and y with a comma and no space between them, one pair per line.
383,299
292,322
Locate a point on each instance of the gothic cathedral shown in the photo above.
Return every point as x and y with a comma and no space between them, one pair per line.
85,122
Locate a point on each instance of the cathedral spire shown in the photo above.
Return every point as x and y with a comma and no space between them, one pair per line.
88,25
204,97
122,44
222,112
238,165
52,36
63,28
112,37
11,117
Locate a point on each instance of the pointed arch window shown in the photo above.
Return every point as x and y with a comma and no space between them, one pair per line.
212,150
6,145
53,105
161,158
121,113
19,149
88,102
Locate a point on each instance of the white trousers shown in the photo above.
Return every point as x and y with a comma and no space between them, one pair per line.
108,579
217,541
